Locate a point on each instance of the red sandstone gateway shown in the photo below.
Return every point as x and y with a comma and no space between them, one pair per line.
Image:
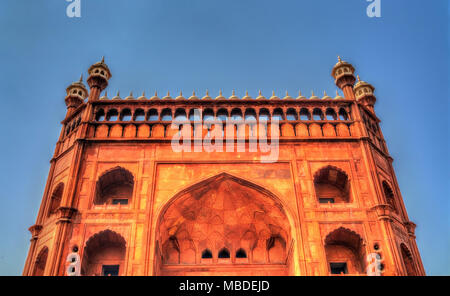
120,201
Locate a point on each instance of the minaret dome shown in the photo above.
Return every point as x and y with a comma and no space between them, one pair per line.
76,93
365,93
343,74
99,76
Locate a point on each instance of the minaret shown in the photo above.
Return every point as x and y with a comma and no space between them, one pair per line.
76,93
343,73
99,75
364,94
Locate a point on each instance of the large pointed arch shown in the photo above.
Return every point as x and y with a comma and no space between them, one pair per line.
223,211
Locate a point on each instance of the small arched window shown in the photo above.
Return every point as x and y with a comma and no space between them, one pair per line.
250,115
100,116
317,114
208,115
241,253
180,115
166,115
236,114
291,114
304,114
331,114
139,115
343,115
125,115
206,254
194,115
153,115
224,253
222,114
278,114
264,114
112,115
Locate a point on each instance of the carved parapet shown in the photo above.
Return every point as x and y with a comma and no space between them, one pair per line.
411,227
65,214
384,211
35,230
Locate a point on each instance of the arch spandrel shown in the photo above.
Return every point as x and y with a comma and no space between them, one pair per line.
275,177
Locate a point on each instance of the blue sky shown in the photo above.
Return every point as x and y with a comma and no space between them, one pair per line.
243,45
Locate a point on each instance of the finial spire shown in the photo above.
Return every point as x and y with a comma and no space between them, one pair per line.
339,59
168,93
246,92
156,93
103,59
287,93
325,93
181,93
233,93
358,78
299,93
118,93
193,93
260,93
207,92
81,78
143,93
220,92
131,93
273,93
313,93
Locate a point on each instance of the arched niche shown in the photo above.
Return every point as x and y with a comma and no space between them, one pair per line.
114,187
104,254
276,247
222,217
407,260
55,199
389,195
332,185
344,252
41,260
